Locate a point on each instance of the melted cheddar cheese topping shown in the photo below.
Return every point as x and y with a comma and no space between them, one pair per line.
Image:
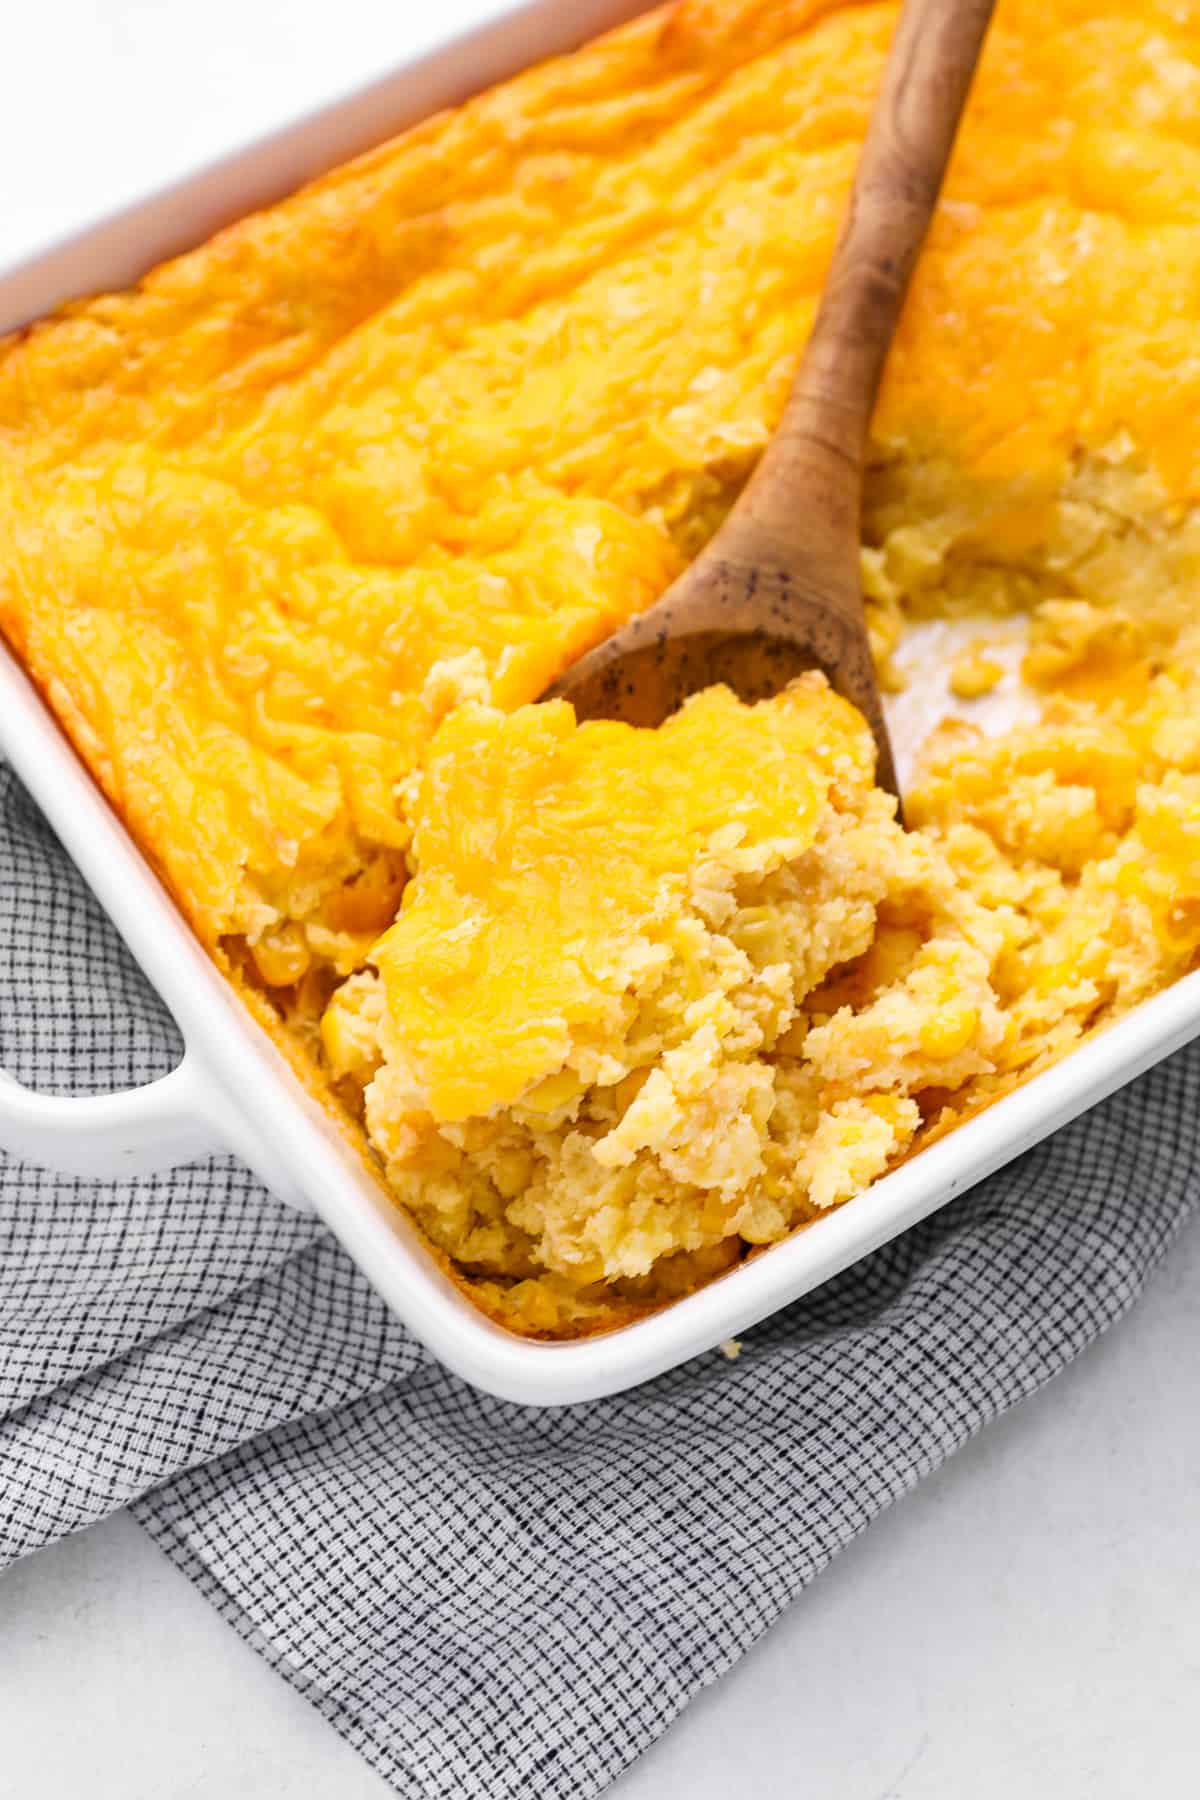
596,826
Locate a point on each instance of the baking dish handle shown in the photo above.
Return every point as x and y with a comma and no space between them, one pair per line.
170,1121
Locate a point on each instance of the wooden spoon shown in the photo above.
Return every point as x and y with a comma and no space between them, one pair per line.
776,590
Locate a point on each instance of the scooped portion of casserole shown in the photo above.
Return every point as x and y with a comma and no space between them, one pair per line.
294,533
603,1031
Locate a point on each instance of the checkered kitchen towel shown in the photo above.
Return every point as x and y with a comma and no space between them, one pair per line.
489,1600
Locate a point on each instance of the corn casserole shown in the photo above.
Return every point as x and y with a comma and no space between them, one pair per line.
294,534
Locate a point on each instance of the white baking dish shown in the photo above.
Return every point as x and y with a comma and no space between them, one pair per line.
234,1090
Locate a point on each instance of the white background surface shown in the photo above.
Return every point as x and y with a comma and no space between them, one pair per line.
1028,1623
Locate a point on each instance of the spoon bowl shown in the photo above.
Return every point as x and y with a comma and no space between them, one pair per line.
754,626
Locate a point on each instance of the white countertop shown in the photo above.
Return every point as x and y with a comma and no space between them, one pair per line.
1027,1623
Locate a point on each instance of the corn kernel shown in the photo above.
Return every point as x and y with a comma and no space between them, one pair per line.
975,675
555,1091
949,1031
281,957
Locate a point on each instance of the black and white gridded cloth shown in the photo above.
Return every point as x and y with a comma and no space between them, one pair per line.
489,1600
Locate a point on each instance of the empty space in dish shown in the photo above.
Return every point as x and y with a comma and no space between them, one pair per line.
926,656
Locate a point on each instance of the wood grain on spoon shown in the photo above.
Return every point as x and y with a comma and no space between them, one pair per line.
776,590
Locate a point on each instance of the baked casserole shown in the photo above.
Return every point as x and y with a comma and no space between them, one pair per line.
294,534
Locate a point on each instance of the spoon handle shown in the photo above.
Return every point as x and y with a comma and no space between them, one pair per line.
807,488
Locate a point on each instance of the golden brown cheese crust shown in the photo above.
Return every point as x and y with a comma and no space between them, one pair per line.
421,433
476,393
